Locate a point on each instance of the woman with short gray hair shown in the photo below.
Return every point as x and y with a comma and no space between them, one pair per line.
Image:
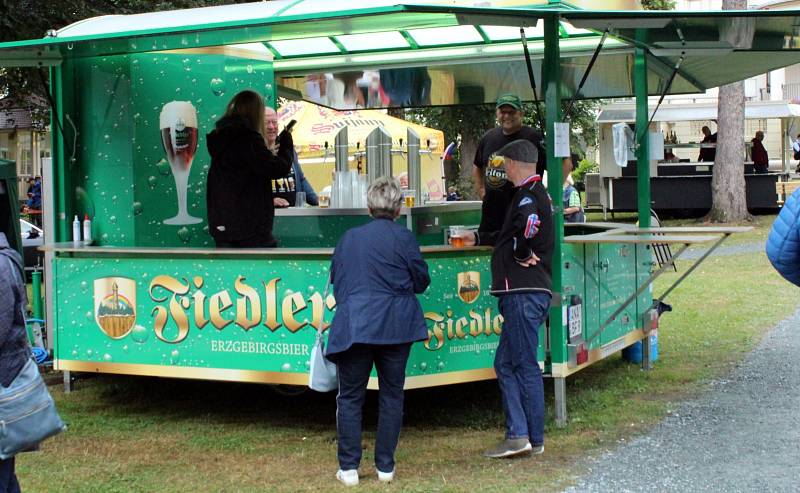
384,198
376,271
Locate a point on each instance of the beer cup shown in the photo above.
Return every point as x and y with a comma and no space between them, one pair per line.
408,198
178,124
456,241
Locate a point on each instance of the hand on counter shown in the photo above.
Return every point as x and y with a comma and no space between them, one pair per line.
279,202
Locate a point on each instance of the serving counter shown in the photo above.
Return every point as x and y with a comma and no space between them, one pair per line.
251,314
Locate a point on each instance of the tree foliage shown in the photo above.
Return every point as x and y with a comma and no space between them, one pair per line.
33,19
465,125
658,4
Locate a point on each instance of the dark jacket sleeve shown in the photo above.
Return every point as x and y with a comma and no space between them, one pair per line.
486,238
416,265
8,310
526,222
263,163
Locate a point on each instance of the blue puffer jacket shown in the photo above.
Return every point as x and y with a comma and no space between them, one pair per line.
783,243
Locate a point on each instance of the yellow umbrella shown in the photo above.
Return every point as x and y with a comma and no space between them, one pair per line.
317,126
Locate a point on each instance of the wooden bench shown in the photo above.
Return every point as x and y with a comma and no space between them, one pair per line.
785,188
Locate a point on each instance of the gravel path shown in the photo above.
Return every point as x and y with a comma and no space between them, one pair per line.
695,252
741,435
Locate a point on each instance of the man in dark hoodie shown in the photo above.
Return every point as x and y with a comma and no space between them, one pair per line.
14,352
239,195
521,280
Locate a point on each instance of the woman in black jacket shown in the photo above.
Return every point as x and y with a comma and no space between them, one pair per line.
239,196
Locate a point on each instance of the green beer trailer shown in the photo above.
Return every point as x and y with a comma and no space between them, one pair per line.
150,296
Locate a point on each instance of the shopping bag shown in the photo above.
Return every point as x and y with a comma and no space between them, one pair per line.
322,375
28,414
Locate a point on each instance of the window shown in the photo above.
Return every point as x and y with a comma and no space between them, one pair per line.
753,126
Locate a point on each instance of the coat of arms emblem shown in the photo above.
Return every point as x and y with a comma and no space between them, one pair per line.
115,305
469,286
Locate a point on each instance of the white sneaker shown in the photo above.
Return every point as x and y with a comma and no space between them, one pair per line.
385,477
348,477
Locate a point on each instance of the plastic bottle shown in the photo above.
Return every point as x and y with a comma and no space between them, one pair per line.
76,230
87,230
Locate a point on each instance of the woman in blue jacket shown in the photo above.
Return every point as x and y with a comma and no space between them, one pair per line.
376,271
783,243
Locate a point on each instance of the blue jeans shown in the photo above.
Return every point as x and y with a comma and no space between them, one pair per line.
8,480
354,367
518,372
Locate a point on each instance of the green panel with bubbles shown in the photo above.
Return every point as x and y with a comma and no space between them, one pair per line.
124,181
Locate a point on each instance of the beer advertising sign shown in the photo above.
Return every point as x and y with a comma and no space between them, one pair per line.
253,319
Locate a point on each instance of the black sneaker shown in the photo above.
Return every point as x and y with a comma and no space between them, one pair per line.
537,449
509,448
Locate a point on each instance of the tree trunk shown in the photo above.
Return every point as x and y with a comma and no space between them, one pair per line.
728,197
467,155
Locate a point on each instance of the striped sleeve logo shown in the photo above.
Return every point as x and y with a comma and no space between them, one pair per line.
532,226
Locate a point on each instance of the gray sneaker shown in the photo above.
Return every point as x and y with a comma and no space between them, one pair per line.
538,449
509,448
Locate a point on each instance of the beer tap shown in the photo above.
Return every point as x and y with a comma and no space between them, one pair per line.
326,152
399,150
359,156
429,149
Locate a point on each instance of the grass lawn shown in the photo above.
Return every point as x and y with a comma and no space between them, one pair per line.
145,434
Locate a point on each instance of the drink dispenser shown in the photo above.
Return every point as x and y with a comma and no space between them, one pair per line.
414,167
379,154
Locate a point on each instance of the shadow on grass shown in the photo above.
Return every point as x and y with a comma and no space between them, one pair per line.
472,406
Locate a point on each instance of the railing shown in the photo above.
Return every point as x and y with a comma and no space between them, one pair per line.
791,92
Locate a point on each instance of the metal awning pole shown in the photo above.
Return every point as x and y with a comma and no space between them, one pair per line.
633,297
643,149
585,74
551,85
694,266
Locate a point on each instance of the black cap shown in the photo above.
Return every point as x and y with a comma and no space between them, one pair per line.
520,150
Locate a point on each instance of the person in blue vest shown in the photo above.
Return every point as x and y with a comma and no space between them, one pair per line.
783,242
377,270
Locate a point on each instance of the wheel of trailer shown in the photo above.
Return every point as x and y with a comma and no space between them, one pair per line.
289,390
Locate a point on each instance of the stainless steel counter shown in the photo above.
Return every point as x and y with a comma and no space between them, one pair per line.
430,207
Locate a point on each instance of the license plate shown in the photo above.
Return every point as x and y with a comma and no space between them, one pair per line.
575,323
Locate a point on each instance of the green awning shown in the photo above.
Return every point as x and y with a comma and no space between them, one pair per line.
472,46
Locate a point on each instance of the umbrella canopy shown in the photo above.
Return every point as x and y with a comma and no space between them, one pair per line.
317,126
315,132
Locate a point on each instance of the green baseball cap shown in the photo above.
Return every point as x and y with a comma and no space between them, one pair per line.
510,100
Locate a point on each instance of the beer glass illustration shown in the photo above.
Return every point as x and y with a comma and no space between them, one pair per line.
178,124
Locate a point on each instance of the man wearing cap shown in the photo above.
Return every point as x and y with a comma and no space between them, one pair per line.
521,280
490,178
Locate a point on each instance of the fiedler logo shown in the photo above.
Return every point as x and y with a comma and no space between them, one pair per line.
115,305
469,286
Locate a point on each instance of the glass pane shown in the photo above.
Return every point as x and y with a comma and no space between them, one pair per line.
168,19
310,46
500,33
446,35
572,30
316,6
373,41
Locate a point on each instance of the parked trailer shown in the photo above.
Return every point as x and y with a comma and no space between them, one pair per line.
150,296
